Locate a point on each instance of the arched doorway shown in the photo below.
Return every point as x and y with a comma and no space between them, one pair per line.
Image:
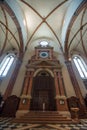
43,92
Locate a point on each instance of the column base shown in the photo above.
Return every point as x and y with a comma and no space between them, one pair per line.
24,102
20,113
61,102
65,113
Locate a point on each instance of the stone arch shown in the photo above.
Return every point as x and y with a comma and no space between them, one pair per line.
41,69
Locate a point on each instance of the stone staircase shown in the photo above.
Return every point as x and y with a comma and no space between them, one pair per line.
43,117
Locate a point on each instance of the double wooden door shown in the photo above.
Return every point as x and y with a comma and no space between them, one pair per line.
43,94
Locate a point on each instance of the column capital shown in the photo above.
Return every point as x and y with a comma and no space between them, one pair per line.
26,96
60,97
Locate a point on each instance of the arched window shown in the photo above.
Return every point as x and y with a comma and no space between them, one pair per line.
81,66
6,64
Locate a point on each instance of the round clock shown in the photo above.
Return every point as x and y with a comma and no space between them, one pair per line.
43,54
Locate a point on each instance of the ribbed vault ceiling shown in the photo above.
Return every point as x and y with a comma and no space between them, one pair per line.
62,23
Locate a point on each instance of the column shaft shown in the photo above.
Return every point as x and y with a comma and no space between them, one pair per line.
56,84
62,91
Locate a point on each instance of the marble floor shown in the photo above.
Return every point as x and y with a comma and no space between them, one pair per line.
6,124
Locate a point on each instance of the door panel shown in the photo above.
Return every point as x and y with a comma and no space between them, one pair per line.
43,94
43,100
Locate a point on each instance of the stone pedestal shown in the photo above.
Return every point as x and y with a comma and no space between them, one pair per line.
61,102
24,102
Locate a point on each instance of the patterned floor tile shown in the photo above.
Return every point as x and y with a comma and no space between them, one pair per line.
5,124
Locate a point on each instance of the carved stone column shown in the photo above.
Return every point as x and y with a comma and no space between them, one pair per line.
61,101
24,105
63,106
62,89
56,83
75,85
30,87
56,87
25,84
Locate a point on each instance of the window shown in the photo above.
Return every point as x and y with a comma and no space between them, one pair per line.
43,43
6,64
81,66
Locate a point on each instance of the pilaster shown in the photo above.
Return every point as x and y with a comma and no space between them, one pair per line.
26,93
61,100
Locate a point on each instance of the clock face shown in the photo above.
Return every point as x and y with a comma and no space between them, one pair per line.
43,54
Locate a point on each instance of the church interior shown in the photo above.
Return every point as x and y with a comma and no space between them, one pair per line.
43,64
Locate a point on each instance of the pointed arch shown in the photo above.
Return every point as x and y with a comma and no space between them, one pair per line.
6,64
81,66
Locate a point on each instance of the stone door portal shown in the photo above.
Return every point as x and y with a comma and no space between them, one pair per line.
43,93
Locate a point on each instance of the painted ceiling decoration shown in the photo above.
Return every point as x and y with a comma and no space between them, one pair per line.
24,24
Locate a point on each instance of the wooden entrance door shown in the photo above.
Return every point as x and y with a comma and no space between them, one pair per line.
43,100
43,93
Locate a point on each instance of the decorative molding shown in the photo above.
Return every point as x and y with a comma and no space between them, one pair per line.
60,97
26,96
